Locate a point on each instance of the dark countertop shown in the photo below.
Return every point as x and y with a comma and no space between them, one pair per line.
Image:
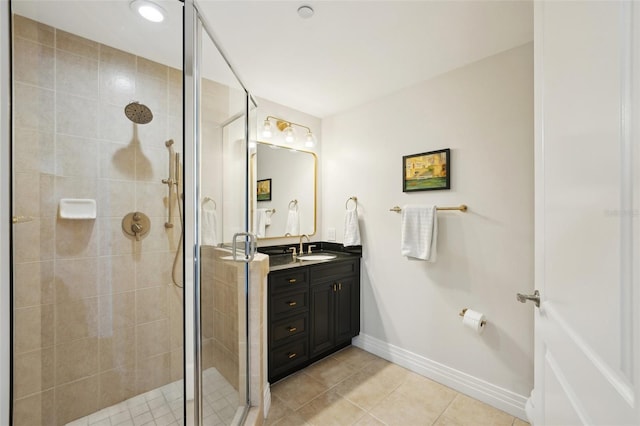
280,259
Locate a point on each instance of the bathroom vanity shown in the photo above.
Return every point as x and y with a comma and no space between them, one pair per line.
313,306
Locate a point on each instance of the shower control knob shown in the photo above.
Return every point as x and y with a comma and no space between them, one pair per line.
136,224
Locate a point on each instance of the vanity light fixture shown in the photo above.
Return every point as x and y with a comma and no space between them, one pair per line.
287,128
148,10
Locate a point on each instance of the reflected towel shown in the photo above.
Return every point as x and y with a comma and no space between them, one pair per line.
419,232
260,223
351,229
209,234
293,223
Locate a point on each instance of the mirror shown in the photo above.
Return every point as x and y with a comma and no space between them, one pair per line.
284,202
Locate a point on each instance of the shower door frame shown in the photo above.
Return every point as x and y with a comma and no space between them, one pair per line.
195,26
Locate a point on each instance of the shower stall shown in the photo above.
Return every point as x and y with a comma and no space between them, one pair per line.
129,185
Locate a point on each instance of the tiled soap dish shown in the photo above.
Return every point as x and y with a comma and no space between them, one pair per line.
77,208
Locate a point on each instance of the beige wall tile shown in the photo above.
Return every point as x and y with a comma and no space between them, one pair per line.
78,45
33,284
115,197
32,30
76,279
116,385
117,311
76,156
151,198
152,339
33,372
76,116
77,319
153,69
153,372
174,295
76,399
152,163
74,187
33,241
153,134
117,76
33,151
117,349
33,63
116,274
76,360
177,364
48,200
33,328
153,92
76,238
153,269
77,75
117,161
113,240
38,409
151,304
33,108
27,194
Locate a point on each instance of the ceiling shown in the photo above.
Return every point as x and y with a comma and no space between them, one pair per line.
348,53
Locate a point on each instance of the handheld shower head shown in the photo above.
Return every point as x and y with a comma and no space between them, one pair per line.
138,113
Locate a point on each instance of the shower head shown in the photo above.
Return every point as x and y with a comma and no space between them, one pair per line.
138,113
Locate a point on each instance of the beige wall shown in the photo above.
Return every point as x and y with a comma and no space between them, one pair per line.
484,113
97,319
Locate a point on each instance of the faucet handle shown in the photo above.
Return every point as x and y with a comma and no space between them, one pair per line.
293,249
310,247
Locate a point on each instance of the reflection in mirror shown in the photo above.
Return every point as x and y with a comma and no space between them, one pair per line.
285,200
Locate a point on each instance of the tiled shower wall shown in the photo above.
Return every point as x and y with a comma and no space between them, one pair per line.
97,319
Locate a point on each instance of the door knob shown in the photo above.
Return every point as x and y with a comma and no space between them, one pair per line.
535,298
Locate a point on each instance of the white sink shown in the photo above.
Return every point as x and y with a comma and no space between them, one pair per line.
317,256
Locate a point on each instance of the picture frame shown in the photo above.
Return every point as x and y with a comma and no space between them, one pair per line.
264,190
427,171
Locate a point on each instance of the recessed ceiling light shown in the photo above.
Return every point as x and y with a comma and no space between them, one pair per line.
148,10
305,12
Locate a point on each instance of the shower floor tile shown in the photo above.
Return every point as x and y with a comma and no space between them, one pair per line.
164,406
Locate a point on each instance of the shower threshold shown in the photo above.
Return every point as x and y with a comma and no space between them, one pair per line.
163,406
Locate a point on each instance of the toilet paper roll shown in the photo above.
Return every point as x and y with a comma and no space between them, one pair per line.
474,320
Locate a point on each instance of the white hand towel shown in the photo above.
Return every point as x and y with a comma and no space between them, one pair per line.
267,219
351,229
260,223
293,223
209,227
419,232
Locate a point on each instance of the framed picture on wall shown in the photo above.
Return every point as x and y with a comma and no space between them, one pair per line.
427,171
264,190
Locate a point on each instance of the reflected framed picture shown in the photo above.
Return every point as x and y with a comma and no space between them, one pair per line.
264,190
427,171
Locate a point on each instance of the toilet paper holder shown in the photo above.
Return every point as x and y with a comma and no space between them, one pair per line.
462,312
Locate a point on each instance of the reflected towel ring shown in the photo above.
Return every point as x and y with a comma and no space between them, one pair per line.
293,203
206,200
355,201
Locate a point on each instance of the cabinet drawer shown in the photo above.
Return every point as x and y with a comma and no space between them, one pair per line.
288,356
285,329
334,269
288,280
289,304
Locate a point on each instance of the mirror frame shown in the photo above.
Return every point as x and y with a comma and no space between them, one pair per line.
253,171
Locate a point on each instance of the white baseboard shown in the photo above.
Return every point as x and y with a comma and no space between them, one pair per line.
474,387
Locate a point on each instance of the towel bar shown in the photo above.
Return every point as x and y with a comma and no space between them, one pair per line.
461,207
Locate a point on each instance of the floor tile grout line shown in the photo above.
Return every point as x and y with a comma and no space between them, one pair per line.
445,408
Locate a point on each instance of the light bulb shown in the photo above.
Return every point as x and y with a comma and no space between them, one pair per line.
148,10
266,129
289,136
310,140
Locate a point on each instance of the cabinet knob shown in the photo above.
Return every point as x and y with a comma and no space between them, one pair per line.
293,355
292,329
292,280
292,303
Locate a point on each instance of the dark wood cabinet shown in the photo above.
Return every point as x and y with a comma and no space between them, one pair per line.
313,311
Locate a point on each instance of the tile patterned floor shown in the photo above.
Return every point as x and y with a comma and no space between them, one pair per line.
354,387
164,406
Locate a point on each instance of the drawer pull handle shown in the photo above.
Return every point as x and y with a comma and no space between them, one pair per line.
340,286
292,280
292,329
292,303
293,355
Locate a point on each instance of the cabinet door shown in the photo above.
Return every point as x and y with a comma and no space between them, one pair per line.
322,314
344,306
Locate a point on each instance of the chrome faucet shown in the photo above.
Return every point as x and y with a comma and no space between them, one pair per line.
301,250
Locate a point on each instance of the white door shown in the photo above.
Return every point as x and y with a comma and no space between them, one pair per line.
587,364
